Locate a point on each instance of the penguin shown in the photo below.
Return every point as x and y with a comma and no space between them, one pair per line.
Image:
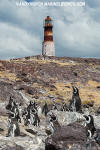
45,109
32,117
10,104
17,116
54,124
39,111
12,107
64,107
75,102
30,106
54,107
26,116
13,127
36,118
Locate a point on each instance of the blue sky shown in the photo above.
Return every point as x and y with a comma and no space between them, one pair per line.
76,29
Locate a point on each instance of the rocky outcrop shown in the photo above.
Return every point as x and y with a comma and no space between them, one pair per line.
70,137
67,136
21,143
7,90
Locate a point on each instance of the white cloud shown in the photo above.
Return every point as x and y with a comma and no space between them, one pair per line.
16,42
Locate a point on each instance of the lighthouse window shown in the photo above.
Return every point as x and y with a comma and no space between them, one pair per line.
48,22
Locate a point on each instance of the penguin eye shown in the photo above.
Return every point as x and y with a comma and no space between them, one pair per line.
87,118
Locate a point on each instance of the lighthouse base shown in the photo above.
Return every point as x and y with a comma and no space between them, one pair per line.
48,48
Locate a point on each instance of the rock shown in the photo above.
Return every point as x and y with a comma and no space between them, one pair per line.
98,111
98,87
21,143
65,118
17,147
97,121
53,86
52,97
43,91
97,137
1,130
3,123
75,74
31,131
89,104
67,136
6,90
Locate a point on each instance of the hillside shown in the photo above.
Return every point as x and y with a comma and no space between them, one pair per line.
49,78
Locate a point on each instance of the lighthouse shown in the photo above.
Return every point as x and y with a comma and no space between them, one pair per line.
48,46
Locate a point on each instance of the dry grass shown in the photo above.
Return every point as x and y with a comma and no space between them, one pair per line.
46,61
88,92
7,75
1,64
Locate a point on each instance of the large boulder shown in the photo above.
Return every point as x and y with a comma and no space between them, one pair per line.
70,137
65,118
67,136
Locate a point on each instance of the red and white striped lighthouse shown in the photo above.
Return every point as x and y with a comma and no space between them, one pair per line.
48,47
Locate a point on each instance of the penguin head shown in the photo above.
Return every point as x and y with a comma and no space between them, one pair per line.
86,117
75,90
89,119
53,117
11,99
31,103
11,115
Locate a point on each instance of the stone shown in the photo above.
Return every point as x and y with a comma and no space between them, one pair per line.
17,147
66,136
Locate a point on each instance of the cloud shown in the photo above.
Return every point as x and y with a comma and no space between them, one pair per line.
15,42
76,29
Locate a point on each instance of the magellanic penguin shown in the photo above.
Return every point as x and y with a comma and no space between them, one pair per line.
64,107
75,102
13,127
54,124
45,109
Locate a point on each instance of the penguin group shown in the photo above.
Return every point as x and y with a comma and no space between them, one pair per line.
31,115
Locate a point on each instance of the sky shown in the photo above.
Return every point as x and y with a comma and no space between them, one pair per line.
76,29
